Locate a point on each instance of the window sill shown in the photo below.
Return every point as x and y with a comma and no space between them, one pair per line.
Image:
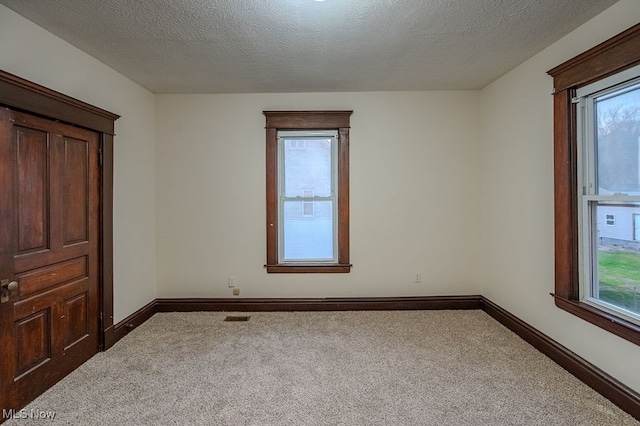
284,268
616,325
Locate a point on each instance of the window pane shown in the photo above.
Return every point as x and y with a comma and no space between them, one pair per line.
307,208
307,167
617,141
308,237
618,255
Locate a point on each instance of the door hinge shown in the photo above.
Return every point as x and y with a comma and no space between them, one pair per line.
100,157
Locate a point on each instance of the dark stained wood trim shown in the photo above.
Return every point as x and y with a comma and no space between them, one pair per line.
117,332
106,248
134,320
565,198
618,393
308,269
27,96
616,325
614,55
20,94
343,196
319,304
320,120
272,196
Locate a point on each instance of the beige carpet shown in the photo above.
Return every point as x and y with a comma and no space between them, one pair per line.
324,368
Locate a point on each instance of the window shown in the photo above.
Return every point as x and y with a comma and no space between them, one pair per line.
307,191
597,185
608,130
305,237
307,203
297,144
610,219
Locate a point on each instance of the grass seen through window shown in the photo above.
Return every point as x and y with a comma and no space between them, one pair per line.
619,278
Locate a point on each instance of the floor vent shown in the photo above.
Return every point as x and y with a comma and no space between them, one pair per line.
236,318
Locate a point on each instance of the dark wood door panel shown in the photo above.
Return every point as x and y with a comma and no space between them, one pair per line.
76,191
33,335
75,319
49,276
25,263
31,155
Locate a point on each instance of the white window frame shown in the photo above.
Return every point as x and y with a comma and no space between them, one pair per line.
288,135
588,196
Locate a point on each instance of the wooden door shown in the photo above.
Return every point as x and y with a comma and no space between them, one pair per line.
49,234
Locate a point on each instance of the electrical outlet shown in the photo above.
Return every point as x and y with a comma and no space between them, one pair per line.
232,282
236,292
418,278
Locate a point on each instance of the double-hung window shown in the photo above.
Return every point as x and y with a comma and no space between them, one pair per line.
307,184
596,102
307,164
608,134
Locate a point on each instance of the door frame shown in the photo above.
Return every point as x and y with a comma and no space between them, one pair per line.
25,96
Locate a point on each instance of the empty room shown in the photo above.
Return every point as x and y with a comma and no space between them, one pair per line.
320,212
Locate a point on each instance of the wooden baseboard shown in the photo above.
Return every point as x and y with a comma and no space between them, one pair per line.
114,333
618,393
320,304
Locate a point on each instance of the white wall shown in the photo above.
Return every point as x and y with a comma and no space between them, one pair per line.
517,242
414,195
32,53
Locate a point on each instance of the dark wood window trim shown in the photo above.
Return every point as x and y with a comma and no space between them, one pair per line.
307,120
614,55
23,95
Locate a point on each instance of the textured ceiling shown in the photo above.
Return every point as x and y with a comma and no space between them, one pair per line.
260,46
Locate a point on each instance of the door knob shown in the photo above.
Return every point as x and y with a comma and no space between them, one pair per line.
6,289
